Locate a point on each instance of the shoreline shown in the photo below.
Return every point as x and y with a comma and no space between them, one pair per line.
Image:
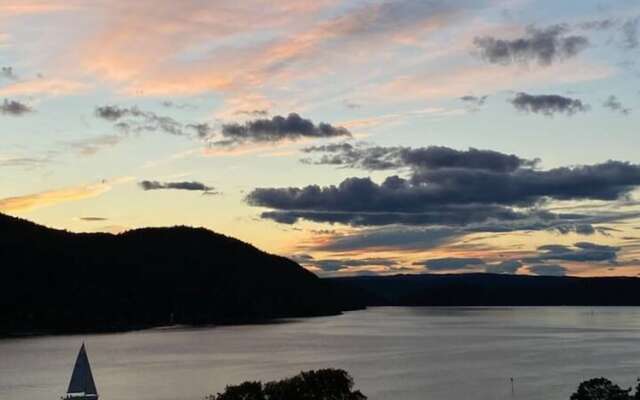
282,320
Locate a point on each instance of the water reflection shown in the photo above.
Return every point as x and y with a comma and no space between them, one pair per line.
393,353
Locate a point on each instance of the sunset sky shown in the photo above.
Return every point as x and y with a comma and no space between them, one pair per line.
356,137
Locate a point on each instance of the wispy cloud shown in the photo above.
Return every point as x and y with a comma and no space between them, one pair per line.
613,104
44,86
57,196
133,119
92,145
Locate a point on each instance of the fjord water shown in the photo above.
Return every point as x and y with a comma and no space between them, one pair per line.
392,353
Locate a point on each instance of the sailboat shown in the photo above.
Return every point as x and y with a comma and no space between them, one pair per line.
82,386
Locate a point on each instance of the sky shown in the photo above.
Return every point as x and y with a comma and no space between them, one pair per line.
355,137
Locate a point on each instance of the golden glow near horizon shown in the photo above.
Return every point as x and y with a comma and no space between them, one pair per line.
96,98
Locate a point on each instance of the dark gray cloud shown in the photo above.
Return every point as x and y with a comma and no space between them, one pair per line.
301,257
598,24
581,251
631,33
26,162
93,219
423,158
465,195
548,104
337,264
474,103
477,217
203,130
543,46
383,231
391,238
133,119
253,113
178,106
450,263
194,186
468,191
586,228
351,105
581,229
92,145
439,157
13,107
348,155
547,269
614,104
278,128
114,113
504,267
7,73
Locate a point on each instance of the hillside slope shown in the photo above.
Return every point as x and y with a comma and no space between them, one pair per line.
57,281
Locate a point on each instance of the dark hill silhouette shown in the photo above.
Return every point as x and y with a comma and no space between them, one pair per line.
56,281
492,290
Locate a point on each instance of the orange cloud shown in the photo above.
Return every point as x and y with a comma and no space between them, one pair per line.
57,196
14,8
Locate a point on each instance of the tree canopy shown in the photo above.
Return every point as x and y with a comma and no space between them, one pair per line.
323,384
604,389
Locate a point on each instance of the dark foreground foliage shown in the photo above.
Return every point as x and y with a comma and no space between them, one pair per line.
323,384
604,389
54,281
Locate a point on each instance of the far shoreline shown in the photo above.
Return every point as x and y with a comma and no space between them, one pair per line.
283,320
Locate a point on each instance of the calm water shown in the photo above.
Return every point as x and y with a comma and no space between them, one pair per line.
393,353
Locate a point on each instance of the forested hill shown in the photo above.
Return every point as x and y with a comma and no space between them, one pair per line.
492,290
55,281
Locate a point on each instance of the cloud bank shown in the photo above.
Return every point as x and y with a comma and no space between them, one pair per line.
447,187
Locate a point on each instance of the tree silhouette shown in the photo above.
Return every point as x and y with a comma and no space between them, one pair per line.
323,384
601,389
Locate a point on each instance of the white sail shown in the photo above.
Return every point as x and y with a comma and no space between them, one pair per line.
82,383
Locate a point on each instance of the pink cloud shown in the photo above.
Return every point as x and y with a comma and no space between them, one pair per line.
50,87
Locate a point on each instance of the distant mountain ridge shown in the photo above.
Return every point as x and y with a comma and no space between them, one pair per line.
482,289
56,281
